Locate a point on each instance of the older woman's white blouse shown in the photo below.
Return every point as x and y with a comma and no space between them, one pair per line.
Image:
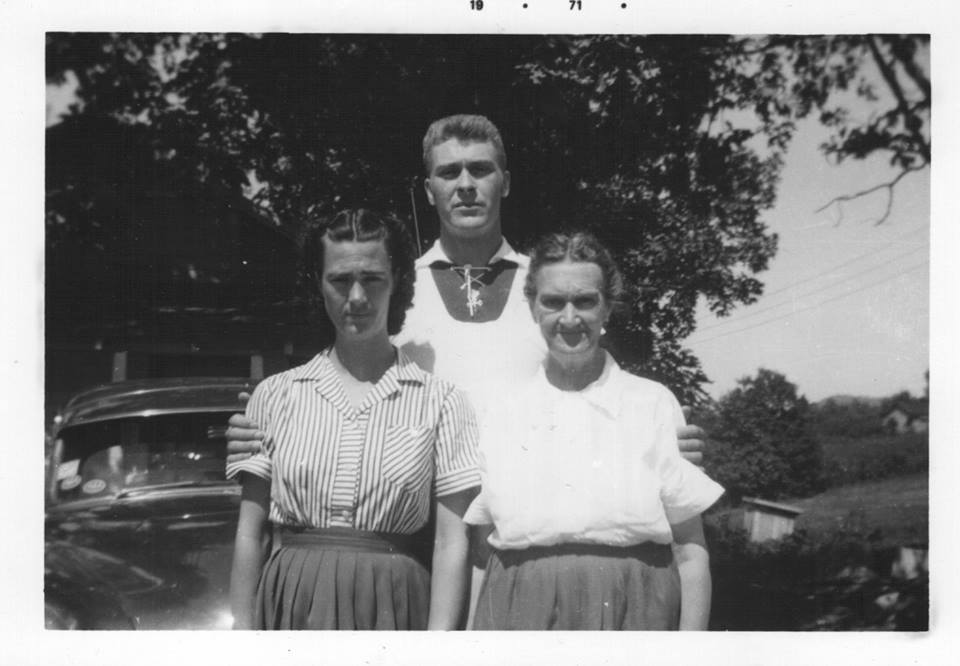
599,465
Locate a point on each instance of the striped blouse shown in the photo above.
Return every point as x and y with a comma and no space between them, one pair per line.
373,468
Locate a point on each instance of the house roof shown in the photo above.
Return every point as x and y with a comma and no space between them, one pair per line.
772,507
912,408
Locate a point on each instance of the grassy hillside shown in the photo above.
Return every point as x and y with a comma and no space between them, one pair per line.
849,460
898,507
835,572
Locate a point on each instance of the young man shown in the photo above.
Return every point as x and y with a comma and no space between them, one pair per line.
469,323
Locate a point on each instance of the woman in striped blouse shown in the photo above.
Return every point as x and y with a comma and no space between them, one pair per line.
361,445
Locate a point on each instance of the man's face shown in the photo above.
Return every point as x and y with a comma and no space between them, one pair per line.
465,185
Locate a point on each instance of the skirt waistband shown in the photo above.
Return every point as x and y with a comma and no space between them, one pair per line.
345,538
656,554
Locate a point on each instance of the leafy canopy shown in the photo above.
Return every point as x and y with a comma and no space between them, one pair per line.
640,139
766,441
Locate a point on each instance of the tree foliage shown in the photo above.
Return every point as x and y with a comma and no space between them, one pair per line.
766,444
822,74
629,136
854,418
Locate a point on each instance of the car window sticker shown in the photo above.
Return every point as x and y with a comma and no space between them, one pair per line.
67,469
70,482
94,486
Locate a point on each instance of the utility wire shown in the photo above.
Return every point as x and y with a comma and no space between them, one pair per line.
817,290
843,264
809,307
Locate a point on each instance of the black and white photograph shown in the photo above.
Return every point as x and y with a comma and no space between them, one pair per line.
517,317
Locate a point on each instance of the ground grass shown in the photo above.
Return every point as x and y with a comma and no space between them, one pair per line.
898,507
849,460
833,572
877,482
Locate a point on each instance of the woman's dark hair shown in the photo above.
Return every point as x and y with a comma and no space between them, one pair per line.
362,225
575,246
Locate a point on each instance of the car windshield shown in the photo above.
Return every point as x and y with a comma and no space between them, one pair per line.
111,457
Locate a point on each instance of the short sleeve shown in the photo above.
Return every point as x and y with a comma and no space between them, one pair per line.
679,420
260,409
685,490
478,513
456,446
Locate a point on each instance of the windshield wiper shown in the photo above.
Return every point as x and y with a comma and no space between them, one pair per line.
126,492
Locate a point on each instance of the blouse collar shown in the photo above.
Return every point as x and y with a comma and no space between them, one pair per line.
504,253
603,393
320,369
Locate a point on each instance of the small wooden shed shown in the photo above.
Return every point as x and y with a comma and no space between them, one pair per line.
765,520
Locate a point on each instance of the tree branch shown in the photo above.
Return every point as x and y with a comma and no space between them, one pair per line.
888,186
900,47
890,76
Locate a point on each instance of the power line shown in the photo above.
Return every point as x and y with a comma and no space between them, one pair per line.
809,307
810,292
844,264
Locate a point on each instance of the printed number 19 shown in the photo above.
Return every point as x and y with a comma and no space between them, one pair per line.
476,5
575,4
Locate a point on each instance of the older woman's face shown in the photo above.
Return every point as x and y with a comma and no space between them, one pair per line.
356,284
570,307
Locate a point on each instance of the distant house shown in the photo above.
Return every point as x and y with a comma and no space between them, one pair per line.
907,416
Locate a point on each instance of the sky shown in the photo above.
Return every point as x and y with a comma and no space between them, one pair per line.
845,308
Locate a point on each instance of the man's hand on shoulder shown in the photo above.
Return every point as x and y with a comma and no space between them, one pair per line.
691,440
244,437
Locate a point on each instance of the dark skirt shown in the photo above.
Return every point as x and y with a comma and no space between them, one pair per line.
580,586
342,579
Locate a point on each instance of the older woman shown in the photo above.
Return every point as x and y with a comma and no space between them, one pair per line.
360,445
583,483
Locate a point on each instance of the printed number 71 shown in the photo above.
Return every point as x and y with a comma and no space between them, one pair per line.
575,4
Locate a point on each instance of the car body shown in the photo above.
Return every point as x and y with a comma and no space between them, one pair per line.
140,520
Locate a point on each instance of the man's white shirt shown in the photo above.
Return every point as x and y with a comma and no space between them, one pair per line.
484,359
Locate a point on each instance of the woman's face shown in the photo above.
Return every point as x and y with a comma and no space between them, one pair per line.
356,284
570,308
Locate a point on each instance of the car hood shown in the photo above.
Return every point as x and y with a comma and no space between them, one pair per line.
163,556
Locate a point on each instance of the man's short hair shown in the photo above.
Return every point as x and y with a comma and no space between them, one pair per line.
463,127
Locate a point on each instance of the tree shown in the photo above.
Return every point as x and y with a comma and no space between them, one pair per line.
854,418
801,75
623,135
903,398
765,445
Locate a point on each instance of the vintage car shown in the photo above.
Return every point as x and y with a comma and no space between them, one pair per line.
140,519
